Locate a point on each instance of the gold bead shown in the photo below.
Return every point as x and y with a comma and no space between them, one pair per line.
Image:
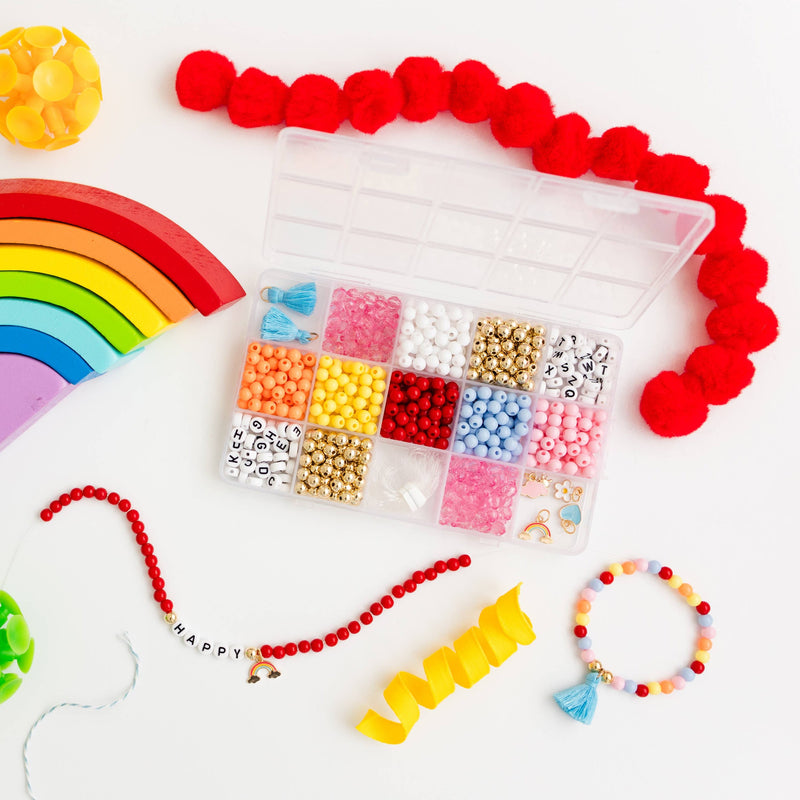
309,446
349,476
538,330
324,491
475,361
537,342
519,334
354,441
497,321
503,331
606,676
317,435
340,440
302,474
479,346
472,374
336,485
494,349
252,654
313,481
502,378
365,457
512,384
533,369
524,349
171,618
505,363
350,453
357,498
487,377
507,346
490,363
318,457
326,470
361,469
595,666
305,460
488,329
339,462
526,385
330,450
522,362
366,444
301,488
312,491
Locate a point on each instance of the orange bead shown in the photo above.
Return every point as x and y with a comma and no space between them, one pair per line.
667,687
280,378
704,644
298,398
685,589
249,375
304,385
309,359
295,373
308,374
629,567
273,363
294,355
267,351
584,606
279,352
253,358
268,406
290,387
262,367
241,403
268,382
297,412
245,394
284,365
253,347
256,388
282,410
278,393
254,405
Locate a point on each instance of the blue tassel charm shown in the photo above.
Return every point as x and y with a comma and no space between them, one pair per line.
279,328
301,298
580,701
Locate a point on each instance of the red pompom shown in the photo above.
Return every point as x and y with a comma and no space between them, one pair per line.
731,217
721,372
566,149
204,79
747,326
732,277
474,91
316,102
677,176
257,99
375,99
523,115
672,406
426,88
619,153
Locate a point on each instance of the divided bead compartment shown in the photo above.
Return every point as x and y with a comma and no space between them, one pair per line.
419,409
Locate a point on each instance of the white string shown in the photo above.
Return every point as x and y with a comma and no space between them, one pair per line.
25,760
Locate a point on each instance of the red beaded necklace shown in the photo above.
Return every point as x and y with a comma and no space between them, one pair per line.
265,651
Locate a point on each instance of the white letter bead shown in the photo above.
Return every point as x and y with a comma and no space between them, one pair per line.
586,366
251,454
278,466
553,392
260,445
263,470
554,383
190,640
232,472
588,399
247,465
600,353
264,456
281,445
293,432
270,435
257,425
550,371
251,481
591,386
282,428
233,460
238,434
280,457
205,647
246,420
236,652
569,393
221,650
179,629
234,445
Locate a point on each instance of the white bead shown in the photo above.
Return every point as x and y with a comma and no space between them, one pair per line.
553,392
282,429
246,420
441,339
281,445
417,338
221,650
280,456
550,371
554,383
566,369
238,434
455,313
437,310
588,399
586,366
247,465
462,326
263,469
236,652
602,400
453,346
232,472
576,381
600,353
429,333
445,356
459,359
294,449
591,386
248,441
257,425
243,476
422,307
260,445
233,460
278,466
249,455
456,372
569,393
190,640
407,328
600,370
293,432
237,419
560,357
179,629
431,362
418,363
405,361
443,324
258,482
271,436
234,445
205,647
404,346
464,339
452,335
583,351
409,312
443,369
264,455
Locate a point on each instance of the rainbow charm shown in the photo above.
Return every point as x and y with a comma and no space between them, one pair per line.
259,667
538,528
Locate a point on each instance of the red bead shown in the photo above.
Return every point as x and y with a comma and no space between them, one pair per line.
376,609
409,379
141,538
76,494
278,651
124,505
88,490
440,444
410,586
354,627
64,499
366,618
388,425
147,549
665,573
113,498
331,640
46,514
138,527
438,400
424,403
413,393
316,645
55,506
431,574
291,649
412,409
445,431
397,376
697,667
132,515
166,606
158,583
435,414
398,591
412,430
402,419
607,578
452,564
304,645
342,634
433,431
154,572
451,391
703,608
399,435
151,561
265,650
423,383
396,396
100,493
464,560
386,601
440,566
580,631
421,438
423,423
642,690
160,596
418,577
437,384
392,409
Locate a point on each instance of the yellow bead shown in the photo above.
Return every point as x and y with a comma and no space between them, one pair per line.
347,366
694,599
379,385
331,385
335,369
358,403
370,428
351,389
654,687
359,368
364,416
315,410
703,656
365,392
318,395
353,425
337,421
376,399
347,411
365,379
343,380
323,419
340,398
616,570
329,406
581,619
375,411
322,375
325,362
675,581
379,373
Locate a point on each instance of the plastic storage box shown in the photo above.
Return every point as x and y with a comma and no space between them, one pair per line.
456,369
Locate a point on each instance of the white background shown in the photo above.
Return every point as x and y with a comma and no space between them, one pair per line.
714,80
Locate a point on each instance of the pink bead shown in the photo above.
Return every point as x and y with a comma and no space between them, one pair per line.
569,435
547,443
542,404
552,432
571,409
556,464
556,408
588,413
569,422
573,449
555,420
584,424
588,472
537,434
583,460
594,447
570,468
588,656
588,594
618,683
560,450
600,415
678,682
709,633
530,461
540,418
542,456
596,434
641,566
582,439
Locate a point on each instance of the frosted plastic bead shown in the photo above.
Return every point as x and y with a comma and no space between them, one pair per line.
443,370
418,363
409,312
455,313
471,441
445,356
470,395
493,440
630,687
442,324
407,328
459,446
431,362
440,338
653,567
405,361
462,326
417,338
456,372
422,307
464,339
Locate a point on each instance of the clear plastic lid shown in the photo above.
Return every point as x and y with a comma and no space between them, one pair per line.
534,244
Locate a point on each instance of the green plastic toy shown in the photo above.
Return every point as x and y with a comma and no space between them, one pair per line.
16,646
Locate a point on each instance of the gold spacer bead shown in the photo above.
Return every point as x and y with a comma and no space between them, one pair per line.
252,654
606,676
171,618
595,666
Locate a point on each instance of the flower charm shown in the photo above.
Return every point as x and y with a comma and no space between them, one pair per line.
562,491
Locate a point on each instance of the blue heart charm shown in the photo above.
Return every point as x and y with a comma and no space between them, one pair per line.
571,513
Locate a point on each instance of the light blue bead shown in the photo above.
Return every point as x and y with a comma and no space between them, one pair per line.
524,415
653,567
524,401
687,674
585,643
499,395
468,451
479,408
493,407
504,431
493,441
506,456
471,441
482,434
705,620
459,446
466,411
484,393
470,395
495,453
481,450
491,424
463,428
630,687
512,408
521,429
502,418
510,443
517,449
475,422
597,584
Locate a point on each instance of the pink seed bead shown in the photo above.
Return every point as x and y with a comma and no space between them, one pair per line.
588,656
556,408
569,422
555,420
542,456
582,439
589,594
641,566
584,424
618,683
547,443
540,418
678,682
542,404
569,435
552,432
570,468
571,409
709,633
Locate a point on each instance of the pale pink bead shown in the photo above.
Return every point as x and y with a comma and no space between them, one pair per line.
570,468
540,418
600,415
569,435
560,450
678,681
554,420
641,566
709,633
589,594
569,422
542,456
530,461
588,472
556,408
573,449
582,439
552,432
583,460
596,434
537,434
588,656
571,409
588,413
556,464
542,404
594,447
618,683
547,443
584,424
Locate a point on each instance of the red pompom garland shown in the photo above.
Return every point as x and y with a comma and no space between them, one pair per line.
522,116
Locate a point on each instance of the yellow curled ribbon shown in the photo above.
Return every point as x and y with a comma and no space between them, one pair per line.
500,628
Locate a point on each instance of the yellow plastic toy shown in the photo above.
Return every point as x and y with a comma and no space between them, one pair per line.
49,87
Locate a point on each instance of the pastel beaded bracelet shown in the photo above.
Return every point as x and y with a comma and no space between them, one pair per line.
580,701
